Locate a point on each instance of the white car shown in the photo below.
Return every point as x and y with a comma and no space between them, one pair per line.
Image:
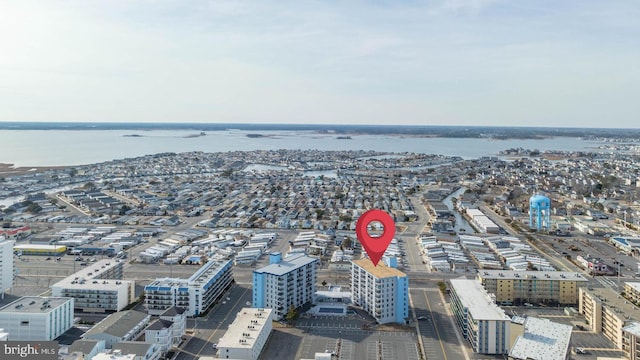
214,346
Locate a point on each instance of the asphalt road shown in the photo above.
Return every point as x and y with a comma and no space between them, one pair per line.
437,330
209,329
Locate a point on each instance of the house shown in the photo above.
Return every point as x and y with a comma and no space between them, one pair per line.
178,317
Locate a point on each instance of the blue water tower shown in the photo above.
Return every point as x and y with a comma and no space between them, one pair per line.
539,212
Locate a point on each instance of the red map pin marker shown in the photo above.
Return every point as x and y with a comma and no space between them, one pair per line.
375,246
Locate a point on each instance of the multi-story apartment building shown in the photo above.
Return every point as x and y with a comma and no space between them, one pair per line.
631,341
483,323
285,283
247,335
6,265
632,291
608,314
37,318
509,287
380,290
97,288
195,294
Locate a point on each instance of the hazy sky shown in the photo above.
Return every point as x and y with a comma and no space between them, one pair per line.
458,62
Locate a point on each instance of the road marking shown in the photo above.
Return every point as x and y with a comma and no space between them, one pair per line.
221,322
454,328
435,327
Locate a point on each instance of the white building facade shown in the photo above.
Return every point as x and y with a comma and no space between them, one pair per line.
285,283
483,323
246,336
195,294
6,265
97,288
37,318
380,290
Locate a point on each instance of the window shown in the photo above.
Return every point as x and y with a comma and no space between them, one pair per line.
24,323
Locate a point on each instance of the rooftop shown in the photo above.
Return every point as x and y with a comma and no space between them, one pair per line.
381,271
140,348
34,304
245,319
117,324
287,265
614,302
542,339
208,270
633,328
539,275
477,300
633,285
91,277
112,356
38,246
83,346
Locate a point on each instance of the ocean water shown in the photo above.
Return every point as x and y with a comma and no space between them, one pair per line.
78,147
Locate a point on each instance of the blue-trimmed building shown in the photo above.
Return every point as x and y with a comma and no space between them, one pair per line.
285,283
195,294
381,290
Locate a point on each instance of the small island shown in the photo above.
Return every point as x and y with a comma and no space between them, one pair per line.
344,138
253,136
133,135
195,135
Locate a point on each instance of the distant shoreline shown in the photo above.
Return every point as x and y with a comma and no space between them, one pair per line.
10,170
488,132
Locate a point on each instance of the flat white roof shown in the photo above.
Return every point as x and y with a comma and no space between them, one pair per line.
287,265
246,318
38,246
633,328
475,298
34,304
542,340
88,278
634,285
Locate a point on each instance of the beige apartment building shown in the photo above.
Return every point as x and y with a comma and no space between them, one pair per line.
607,313
632,291
545,287
631,341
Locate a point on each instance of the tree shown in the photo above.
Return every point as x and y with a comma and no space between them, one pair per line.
292,314
89,186
34,208
347,243
124,209
324,283
442,286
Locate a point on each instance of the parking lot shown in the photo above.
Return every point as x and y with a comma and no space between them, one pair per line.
343,336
